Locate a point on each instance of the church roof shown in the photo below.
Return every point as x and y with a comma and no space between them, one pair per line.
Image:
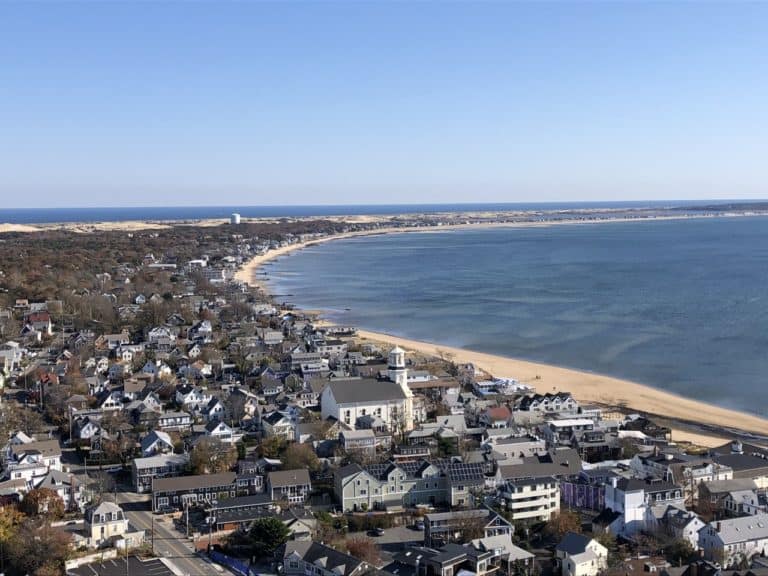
365,390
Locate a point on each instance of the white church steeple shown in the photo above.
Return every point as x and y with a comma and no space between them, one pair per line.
397,372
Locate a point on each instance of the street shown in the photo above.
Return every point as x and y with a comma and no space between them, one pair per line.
168,542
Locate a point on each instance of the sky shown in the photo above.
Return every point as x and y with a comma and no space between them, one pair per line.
250,103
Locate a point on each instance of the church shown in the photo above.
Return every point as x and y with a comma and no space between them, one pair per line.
391,400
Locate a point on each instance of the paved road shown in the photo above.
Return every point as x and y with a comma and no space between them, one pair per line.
168,542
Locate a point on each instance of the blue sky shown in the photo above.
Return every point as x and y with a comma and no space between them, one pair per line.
182,103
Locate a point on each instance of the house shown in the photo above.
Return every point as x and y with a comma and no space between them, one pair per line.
735,540
683,525
560,402
184,490
391,485
560,432
202,331
718,498
192,397
636,499
104,524
496,417
214,410
530,499
110,400
40,321
386,486
157,369
302,557
278,424
112,341
358,441
156,442
174,421
444,527
32,461
510,558
560,463
220,431
580,555
241,511
145,470
514,448
66,486
447,560
292,486
86,428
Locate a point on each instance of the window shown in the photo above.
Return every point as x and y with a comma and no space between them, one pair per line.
363,492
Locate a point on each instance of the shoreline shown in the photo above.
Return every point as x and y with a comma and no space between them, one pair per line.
692,419
247,272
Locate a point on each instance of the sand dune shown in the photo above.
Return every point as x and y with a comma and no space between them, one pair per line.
5,227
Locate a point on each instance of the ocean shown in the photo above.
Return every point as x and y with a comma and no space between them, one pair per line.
121,214
681,305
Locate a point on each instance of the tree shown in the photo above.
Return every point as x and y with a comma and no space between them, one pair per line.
10,520
364,548
43,502
39,549
267,535
300,456
563,522
470,527
211,456
679,552
272,446
235,406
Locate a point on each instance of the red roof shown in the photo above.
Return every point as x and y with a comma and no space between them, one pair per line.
39,317
499,413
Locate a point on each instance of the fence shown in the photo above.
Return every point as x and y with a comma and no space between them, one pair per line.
237,566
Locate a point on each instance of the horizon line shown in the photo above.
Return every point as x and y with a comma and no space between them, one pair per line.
375,204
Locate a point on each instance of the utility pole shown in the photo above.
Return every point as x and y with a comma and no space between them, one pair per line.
152,535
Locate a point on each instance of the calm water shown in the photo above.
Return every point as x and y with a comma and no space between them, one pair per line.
116,214
681,305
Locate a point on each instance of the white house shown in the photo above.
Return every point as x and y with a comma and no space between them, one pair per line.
214,410
156,442
635,500
580,555
32,461
683,525
192,397
221,431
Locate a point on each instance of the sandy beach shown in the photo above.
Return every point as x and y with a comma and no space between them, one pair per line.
594,388
585,386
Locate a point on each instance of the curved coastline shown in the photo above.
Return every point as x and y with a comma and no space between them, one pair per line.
587,387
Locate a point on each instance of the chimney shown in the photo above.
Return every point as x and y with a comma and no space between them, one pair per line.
718,525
